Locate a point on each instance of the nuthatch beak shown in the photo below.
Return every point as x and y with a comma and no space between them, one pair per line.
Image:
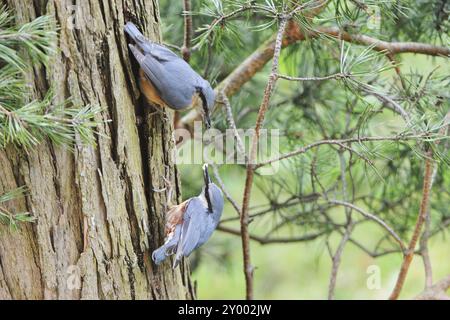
191,223
207,182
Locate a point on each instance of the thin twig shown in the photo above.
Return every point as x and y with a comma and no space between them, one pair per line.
268,240
286,204
436,291
416,234
232,125
379,45
424,253
336,258
423,216
172,46
339,142
336,76
426,232
373,218
258,59
224,189
186,49
248,268
396,107
373,254
223,18
396,66
313,10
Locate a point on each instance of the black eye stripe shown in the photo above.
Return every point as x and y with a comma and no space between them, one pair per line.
203,98
208,199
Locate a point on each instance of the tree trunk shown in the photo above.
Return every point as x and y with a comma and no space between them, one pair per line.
99,210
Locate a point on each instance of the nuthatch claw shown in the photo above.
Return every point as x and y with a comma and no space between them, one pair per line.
166,79
191,223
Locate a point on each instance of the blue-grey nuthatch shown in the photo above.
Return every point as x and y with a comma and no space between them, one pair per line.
166,79
191,223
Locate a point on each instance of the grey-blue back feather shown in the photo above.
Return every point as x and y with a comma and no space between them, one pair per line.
199,224
171,81
192,229
173,77
160,254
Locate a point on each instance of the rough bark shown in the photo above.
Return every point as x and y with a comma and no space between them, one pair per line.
97,212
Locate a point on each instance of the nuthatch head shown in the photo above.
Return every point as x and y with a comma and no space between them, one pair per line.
191,223
166,79
211,193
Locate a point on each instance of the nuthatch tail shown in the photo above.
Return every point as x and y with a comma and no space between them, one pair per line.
191,223
166,79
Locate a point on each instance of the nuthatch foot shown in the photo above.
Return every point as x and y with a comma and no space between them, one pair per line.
191,223
166,79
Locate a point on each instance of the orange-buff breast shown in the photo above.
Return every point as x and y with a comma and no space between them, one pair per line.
149,90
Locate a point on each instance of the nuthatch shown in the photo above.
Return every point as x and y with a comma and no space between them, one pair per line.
166,79
191,223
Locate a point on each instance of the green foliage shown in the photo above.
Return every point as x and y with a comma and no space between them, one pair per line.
423,21
385,178
13,218
36,37
29,124
25,121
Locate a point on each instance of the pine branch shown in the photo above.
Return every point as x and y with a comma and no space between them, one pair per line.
186,49
231,124
336,76
380,45
436,291
248,268
374,218
424,136
421,220
257,60
28,125
336,260
224,189
37,37
349,226
269,240
416,233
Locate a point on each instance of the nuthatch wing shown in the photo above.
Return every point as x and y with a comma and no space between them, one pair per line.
191,223
166,79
